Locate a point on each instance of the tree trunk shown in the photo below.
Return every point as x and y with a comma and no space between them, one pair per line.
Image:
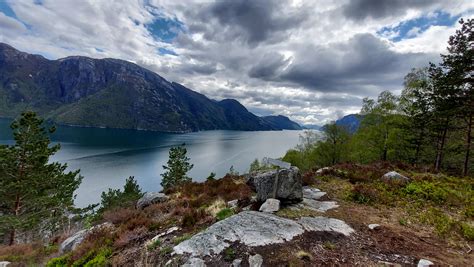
439,153
385,148
465,169
16,211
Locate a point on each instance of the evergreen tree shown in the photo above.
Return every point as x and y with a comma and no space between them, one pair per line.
34,194
254,166
177,168
115,198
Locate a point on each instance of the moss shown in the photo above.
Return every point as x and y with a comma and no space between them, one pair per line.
224,213
59,261
467,231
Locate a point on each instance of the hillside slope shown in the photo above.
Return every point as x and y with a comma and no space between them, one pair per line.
111,93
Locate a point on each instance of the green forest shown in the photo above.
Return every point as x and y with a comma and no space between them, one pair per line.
428,125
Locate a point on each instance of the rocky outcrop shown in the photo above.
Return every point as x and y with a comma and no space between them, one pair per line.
424,263
250,228
4,263
73,241
76,239
151,198
283,184
254,229
270,205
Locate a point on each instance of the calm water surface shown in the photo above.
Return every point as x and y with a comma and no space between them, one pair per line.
106,157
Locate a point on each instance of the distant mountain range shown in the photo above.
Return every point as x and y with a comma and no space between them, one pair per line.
113,93
351,122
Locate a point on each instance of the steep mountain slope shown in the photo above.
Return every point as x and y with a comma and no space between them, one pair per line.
351,122
111,93
282,122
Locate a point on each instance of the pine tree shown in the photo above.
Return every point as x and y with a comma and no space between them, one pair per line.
115,198
34,194
177,168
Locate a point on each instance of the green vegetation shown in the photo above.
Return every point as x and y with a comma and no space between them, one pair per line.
224,213
430,122
35,195
176,169
115,198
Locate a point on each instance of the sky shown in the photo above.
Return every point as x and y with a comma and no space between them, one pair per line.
313,61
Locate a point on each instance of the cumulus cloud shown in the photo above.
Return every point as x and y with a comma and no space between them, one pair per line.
312,61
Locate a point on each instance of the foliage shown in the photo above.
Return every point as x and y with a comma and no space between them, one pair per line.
177,168
211,177
34,193
115,198
224,213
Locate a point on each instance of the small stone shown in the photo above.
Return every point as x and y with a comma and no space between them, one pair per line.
389,264
168,263
233,204
237,263
271,205
374,226
312,193
424,263
322,170
255,260
194,262
4,263
151,198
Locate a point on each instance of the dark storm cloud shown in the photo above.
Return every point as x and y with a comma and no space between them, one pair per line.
364,61
250,21
268,66
377,9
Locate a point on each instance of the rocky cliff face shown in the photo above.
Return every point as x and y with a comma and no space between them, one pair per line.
111,93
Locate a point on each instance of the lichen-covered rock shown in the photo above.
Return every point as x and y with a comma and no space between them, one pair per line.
251,228
4,263
282,184
270,205
151,198
194,262
255,260
313,193
316,205
325,224
374,226
73,241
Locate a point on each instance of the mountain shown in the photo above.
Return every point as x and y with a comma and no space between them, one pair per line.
312,127
111,93
351,122
282,122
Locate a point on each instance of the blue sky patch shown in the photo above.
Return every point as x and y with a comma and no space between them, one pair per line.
165,29
165,51
7,10
411,28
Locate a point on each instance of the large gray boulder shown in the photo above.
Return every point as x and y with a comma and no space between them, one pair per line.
151,198
76,239
282,184
253,229
250,228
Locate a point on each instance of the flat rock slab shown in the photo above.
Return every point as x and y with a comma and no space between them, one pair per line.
316,205
250,228
312,193
271,205
325,224
253,229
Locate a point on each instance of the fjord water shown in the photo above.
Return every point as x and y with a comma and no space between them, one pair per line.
106,157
